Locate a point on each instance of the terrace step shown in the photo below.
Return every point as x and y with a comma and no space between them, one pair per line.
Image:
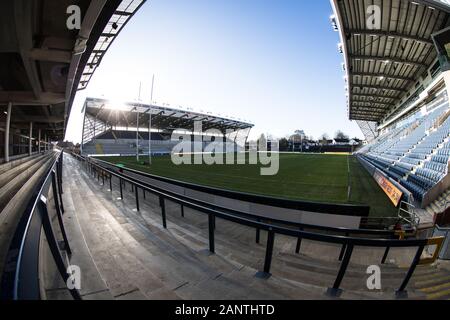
13,179
137,257
15,203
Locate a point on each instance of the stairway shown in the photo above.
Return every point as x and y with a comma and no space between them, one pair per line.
439,205
135,258
436,285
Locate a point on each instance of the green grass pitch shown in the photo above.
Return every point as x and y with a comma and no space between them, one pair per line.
319,178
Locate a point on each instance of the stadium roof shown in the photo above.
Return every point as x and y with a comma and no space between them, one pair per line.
163,117
382,65
43,62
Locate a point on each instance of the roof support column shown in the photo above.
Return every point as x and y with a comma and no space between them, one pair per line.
45,143
150,136
30,139
137,135
7,127
39,141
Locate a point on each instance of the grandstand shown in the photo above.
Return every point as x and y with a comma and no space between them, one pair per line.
123,129
397,92
132,233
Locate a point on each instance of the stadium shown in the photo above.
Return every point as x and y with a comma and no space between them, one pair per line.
117,219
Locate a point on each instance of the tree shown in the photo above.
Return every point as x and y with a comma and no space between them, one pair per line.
324,136
262,141
283,144
340,135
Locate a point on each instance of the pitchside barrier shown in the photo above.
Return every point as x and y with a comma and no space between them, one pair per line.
319,214
373,171
348,241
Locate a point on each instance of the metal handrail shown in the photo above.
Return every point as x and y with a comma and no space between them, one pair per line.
21,280
413,219
347,242
322,207
252,216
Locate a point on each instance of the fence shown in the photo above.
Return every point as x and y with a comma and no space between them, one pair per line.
296,231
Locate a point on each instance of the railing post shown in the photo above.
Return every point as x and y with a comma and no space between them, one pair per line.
343,249
298,246
61,172
103,178
299,243
136,193
268,259
121,191
401,293
335,291
162,204
182,211
143,193
110,182
386,252
258,233
59,213
211,227
59,191
53,244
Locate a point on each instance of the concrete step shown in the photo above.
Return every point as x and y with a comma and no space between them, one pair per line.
5,167
8,175
137,257
13,183
12,212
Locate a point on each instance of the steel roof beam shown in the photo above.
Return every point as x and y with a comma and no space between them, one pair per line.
364,118
373,95
384,59
377,87
23,15
366,114
123,13
368,109
27,98
389,34
379,75
379,107
50,55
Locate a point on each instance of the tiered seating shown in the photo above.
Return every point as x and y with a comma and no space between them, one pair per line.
128,135
127,148
412,155
172,264
16,174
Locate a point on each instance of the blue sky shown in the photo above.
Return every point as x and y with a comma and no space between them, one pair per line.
273,62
